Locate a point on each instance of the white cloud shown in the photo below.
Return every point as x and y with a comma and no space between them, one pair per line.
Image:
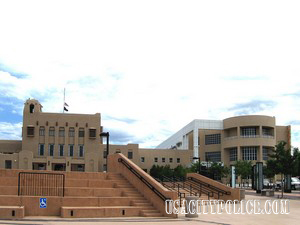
170,61
10,131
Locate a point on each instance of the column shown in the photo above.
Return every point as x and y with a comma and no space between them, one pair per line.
195,138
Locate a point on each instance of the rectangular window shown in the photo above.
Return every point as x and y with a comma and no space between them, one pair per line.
155,159
8,164
42,131
265,153
104,154
233,154
178,160
71,150
81,151
267,132
51,131
51,149
61,150
212,139
71,132
92,133
41,149
170,160
30,131
163,160
142,159
61,132
213,156
81,132
249,153
248,131
130,155
118,151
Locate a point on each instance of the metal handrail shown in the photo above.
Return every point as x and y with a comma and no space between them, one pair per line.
213,188
188,188
148,184
41,184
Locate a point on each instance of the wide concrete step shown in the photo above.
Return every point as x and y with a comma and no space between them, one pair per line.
12,212
151,213
8,181
99,192
94,212
33,201
9,190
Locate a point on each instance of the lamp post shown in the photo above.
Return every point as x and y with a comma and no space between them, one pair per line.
199,163
106,134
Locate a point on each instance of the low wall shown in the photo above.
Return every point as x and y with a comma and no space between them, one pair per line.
115,166
235,192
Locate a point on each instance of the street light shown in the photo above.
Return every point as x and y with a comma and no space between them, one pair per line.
199,163
106,134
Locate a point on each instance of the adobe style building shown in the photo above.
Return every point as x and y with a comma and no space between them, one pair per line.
250,137
71,142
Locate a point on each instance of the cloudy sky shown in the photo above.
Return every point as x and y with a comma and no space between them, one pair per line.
151,67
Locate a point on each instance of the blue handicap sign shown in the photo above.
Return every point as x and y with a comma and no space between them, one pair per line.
43,202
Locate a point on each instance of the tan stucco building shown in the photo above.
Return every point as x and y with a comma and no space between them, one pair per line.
71,142
250,137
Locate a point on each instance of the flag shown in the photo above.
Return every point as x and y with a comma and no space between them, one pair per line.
65,109
66,104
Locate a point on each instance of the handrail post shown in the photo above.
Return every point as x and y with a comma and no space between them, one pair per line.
190,189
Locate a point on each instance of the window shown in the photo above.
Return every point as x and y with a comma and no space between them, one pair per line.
71,150
163,160
118,151
178,160
81,151
265,153
130,155
30,131
61,150
248,131
266,131
81,132
41,149
233,154
61,132
92,132
51,149
170,160
71,132
142,159
8,164
51,131
212,139
249,153
42,131
155,159
213,156
104,154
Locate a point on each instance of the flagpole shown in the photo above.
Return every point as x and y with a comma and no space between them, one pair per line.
64,100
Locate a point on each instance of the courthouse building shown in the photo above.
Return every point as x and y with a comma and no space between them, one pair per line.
71,142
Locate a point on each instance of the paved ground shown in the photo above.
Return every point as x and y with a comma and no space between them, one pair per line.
209,219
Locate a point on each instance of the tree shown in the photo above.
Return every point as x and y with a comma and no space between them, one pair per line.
283,161
180,171
243,169
218,169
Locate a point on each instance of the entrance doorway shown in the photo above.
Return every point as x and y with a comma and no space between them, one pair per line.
59,166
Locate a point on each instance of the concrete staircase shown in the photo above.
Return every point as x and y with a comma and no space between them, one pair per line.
87,195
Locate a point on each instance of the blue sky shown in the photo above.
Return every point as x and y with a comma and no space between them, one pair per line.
150,67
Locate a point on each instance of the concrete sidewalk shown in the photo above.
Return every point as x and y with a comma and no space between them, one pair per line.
208,219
